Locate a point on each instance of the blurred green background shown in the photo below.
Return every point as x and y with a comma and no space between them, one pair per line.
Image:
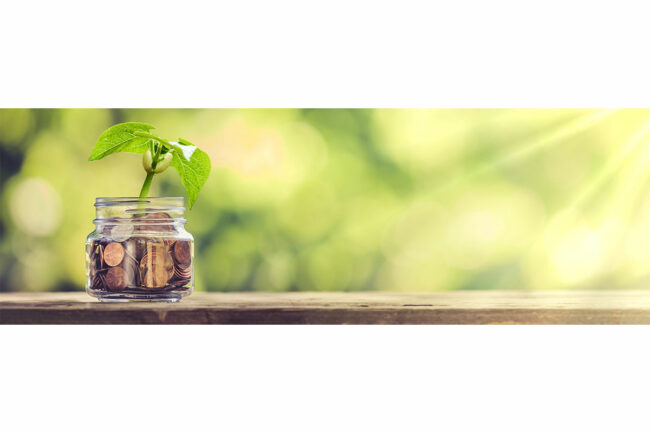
349,199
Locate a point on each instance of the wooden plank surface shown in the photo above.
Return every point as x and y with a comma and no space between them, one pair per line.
484,307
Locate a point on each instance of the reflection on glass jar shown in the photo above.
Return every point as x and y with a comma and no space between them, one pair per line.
139,250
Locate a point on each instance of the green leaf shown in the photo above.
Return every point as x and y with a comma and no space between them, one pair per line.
121,138
193,165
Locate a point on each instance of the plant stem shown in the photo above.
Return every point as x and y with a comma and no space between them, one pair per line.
145,186
147,181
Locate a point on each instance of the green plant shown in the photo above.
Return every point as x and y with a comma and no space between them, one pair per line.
192,164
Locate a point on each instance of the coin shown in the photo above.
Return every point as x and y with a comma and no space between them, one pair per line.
106,230
154,260
92,251
113,254
155,278
115,279
182,274
156,222
180,283
156,265
131,272
139,246
122,232
131,249
93,255
100,257
182,253
98,281
156,247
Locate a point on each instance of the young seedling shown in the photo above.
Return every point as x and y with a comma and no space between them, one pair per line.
192,164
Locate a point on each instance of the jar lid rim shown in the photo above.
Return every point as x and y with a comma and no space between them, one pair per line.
176,202
138,198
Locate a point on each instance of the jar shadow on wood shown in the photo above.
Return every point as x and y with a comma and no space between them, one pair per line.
139,250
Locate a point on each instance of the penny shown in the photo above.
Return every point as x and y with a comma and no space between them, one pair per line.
156,222
180,283
155,246
100,257
156,266
95,270
151,261
113,254
92,251
182,253
115,279
96,282
182,274
99,282
155,277
94,258
99,271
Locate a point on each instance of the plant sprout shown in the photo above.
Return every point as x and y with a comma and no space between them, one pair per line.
192,164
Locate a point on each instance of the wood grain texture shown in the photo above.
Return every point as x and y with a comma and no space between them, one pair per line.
486,307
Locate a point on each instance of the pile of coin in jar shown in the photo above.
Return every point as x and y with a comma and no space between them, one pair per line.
139,263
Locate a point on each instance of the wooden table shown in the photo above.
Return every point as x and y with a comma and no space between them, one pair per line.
484,307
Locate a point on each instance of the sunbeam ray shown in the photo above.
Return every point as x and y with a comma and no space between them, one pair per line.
627,210
626,203
530,148
587,192
626,198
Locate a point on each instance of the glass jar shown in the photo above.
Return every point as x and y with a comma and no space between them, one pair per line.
139,250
